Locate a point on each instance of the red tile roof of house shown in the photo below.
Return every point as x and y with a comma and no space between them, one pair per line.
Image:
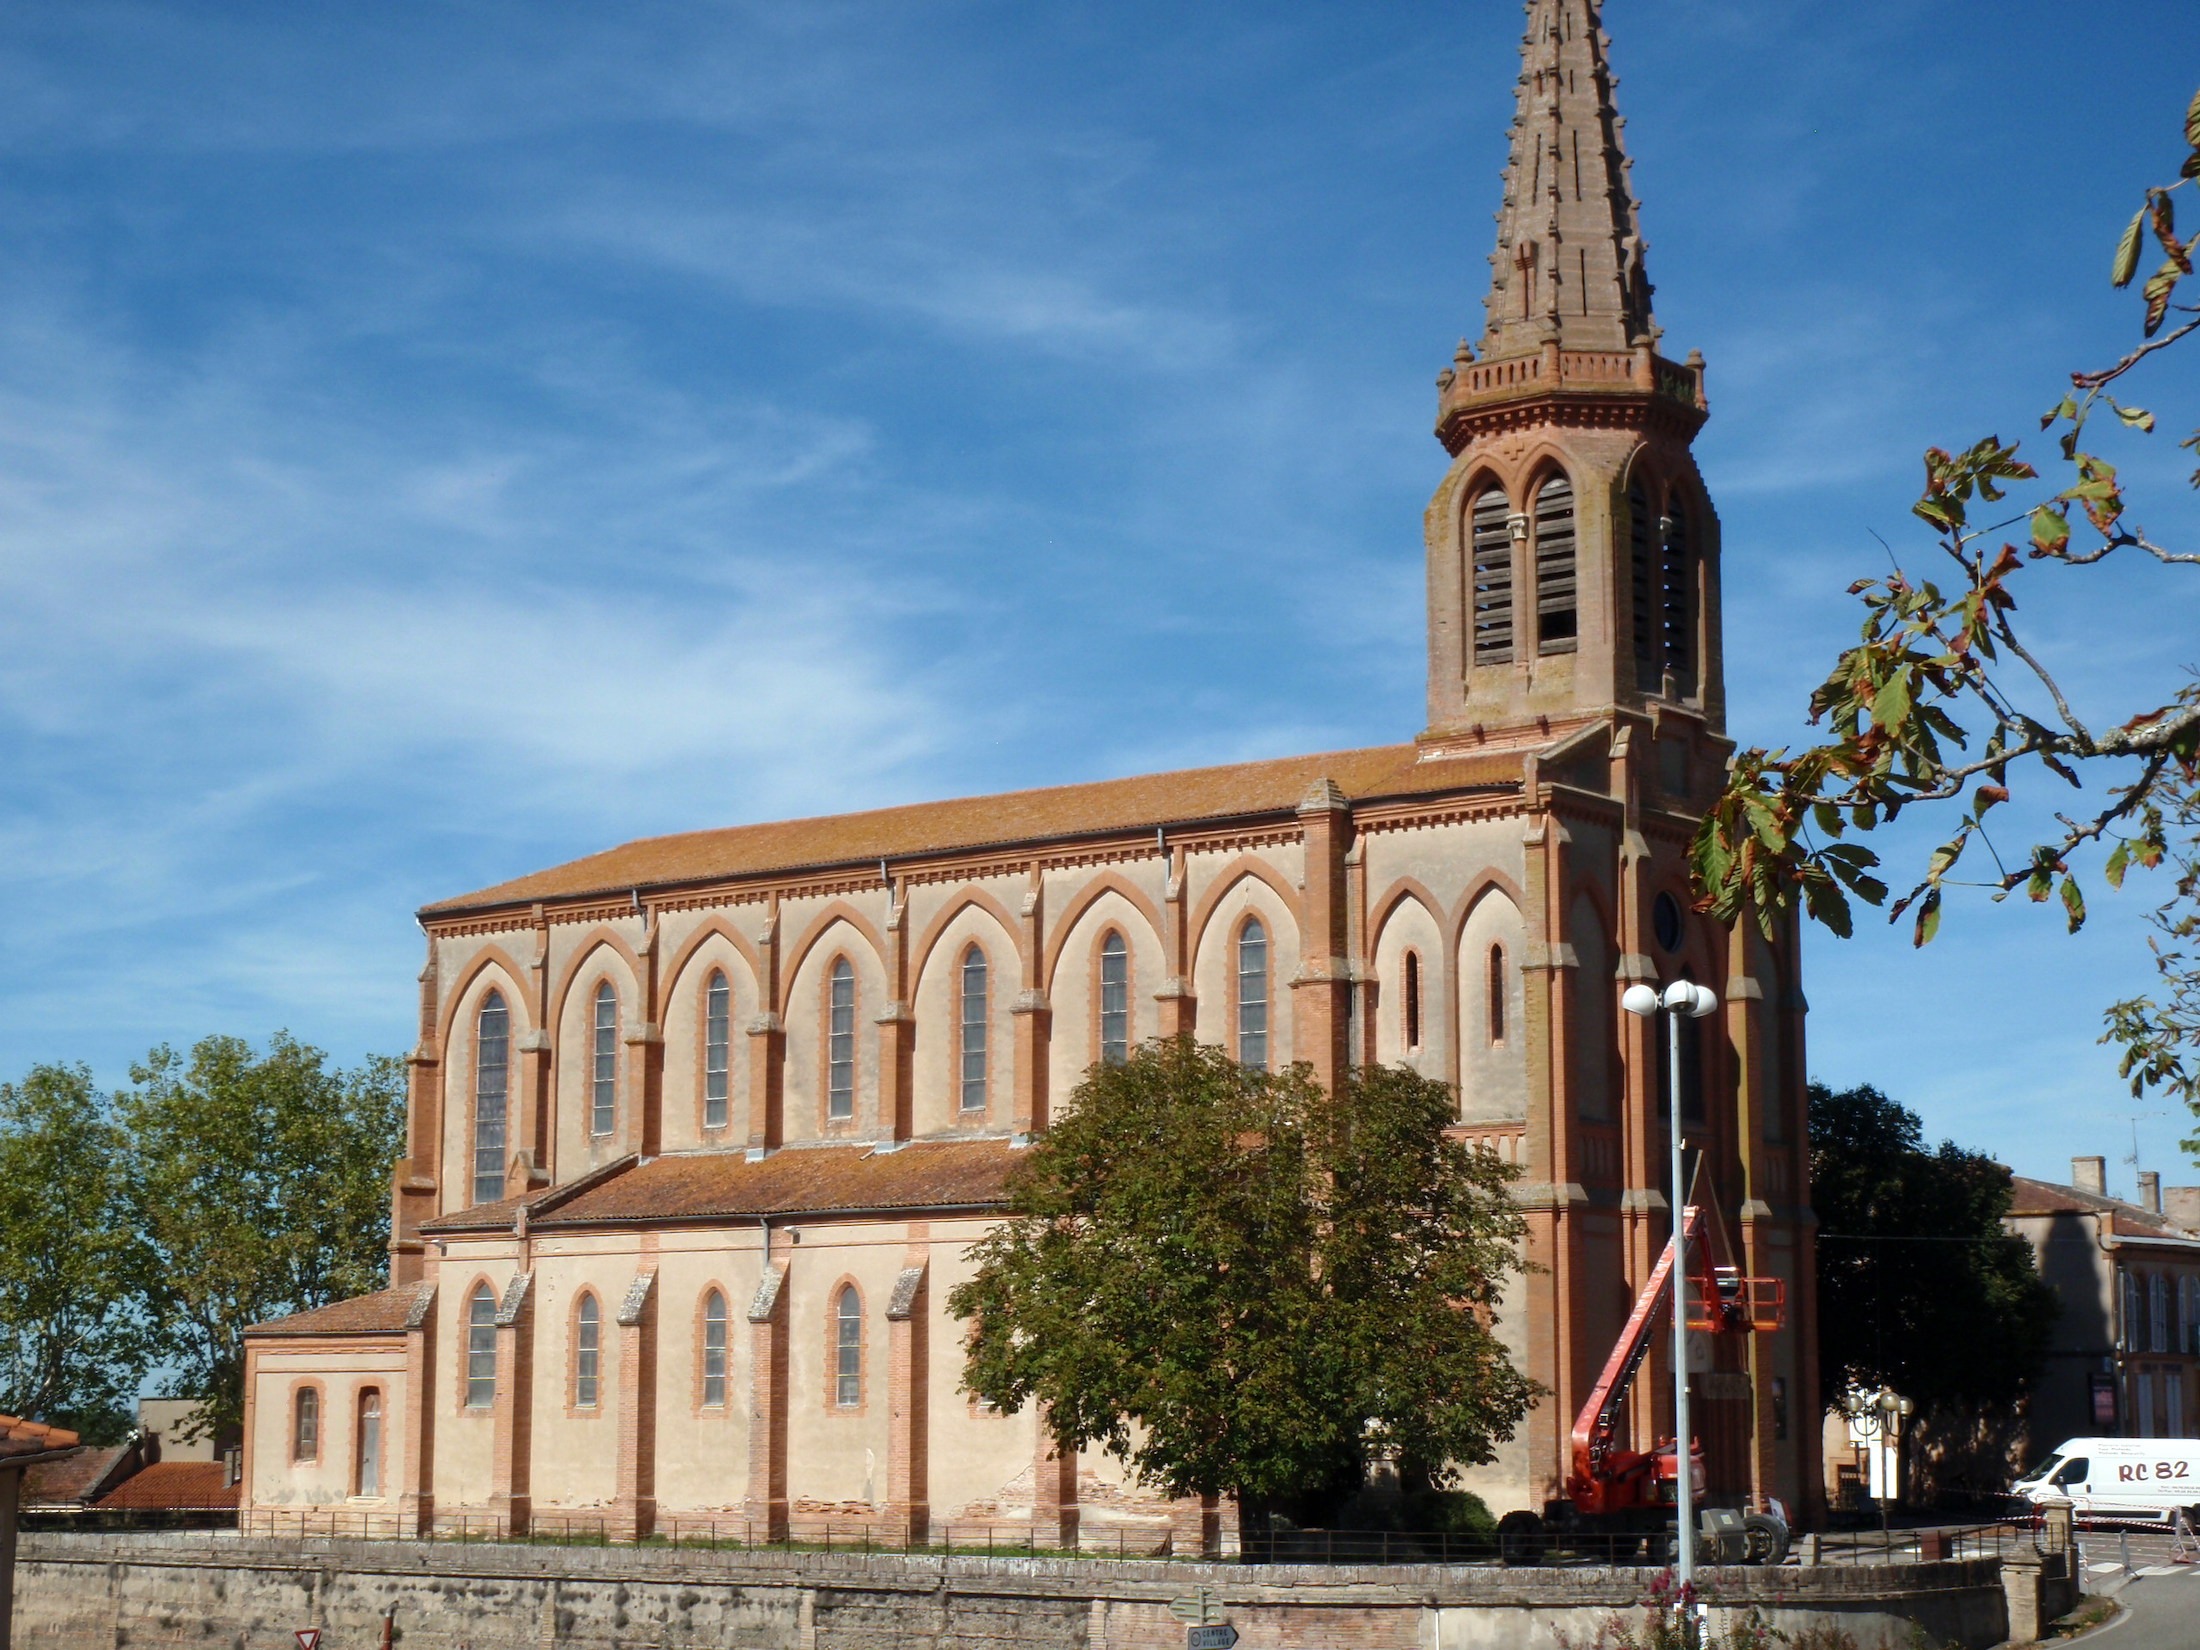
795,1180
1105,807
74,1479
2045,1197
386,1312
174,1486
20,1438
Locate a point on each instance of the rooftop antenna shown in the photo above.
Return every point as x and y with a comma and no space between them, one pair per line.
2134,1118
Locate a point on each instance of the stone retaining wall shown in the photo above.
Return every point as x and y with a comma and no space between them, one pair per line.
108,1592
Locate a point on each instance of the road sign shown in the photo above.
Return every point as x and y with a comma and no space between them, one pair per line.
1220,1637
309,1638
1202,1609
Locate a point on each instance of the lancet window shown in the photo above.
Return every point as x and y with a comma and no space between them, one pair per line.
604,1075
1115,999
973,1029
840,1042
717,1049
1252,993
492,1091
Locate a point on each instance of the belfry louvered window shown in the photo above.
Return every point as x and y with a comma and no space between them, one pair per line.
1677,592
1556,620
1647,604
492,1092
1493,579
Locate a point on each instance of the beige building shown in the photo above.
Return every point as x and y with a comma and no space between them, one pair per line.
701,1127
2125,1360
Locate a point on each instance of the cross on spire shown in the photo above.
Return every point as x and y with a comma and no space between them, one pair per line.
1569,260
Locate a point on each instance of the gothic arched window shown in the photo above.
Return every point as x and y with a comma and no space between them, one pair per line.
1557,623
840,1041
1412,1003
492,1087
1491,576
1497,995
481,1348
714,1350
973,1029
1115,999
1252,994
587,1351
717,1049
604,1077
848,1347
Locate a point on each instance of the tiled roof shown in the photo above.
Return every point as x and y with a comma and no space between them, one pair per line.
796,1180
2044,1197
19,1437
174,1486
388,1312
1104,807
72,1479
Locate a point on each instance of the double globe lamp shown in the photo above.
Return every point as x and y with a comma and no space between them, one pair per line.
1682,1000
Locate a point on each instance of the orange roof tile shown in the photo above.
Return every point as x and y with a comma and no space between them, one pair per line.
796,1180
174,1486
1105,807
387,1312
19,1437
73,1479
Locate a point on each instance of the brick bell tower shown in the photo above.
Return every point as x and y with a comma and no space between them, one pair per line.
1573,553
1573,613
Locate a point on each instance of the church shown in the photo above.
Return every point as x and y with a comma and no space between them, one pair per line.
700,1128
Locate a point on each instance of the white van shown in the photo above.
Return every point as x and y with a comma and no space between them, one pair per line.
2119,1480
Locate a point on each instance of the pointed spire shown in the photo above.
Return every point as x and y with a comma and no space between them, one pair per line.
1569,259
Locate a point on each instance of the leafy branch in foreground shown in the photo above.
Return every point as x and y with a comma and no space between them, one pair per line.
1942,704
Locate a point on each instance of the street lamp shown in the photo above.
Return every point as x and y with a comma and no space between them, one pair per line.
1876,1418
1682,1000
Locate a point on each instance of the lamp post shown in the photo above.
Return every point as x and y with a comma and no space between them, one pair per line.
1876,1418
1682,1000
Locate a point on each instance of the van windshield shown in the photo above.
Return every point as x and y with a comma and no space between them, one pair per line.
2044,1471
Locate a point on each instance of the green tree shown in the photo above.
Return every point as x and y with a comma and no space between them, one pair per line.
259,1187
71,1338
1943,709
1920,1287
1240,1284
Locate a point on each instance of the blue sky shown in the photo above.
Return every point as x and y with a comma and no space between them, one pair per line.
440,440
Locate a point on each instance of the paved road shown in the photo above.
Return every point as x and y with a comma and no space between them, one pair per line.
2161,1604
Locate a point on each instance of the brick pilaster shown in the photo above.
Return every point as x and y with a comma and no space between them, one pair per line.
634,1390
1179,1003
1054,1510
513,1417
767,1045
897,1030
415,1428
1321,994
908,1458
766,1503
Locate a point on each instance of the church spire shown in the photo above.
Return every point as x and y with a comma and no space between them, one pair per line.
1569,258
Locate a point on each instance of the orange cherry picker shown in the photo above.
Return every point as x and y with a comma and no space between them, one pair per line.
1622,1500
